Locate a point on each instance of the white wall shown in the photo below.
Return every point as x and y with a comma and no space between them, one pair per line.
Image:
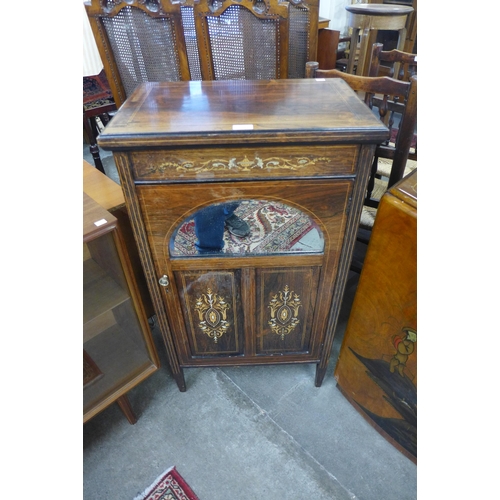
335,11
92,64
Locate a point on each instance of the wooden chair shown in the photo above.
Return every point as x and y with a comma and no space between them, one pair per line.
394,63
250,39
302,35
166,40
139,41
242,39
343,51
98,103
386,94
401,66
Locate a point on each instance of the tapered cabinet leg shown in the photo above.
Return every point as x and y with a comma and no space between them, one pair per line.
320,375
181,383
126,408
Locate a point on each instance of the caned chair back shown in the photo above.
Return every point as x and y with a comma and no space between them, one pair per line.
242,39
170,40
138,41
302,35
250,39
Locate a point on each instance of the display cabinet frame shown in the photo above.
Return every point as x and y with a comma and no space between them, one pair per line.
119,350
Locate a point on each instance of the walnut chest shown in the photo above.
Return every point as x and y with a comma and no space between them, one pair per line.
294,157
377,367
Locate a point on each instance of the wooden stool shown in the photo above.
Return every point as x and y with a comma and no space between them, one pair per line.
368,18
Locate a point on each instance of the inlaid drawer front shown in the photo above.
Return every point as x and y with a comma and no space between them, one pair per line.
244,163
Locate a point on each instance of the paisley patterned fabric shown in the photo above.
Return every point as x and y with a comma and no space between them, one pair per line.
274,228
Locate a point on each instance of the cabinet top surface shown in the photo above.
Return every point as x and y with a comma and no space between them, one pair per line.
406,189
223,112
96,220
101,188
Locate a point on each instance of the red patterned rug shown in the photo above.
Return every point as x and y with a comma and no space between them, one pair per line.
169,486
96,91
274,228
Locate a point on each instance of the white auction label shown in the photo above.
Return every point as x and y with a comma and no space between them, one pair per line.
100,222
243,127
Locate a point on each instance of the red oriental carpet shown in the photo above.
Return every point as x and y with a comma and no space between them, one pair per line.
275,227
169,486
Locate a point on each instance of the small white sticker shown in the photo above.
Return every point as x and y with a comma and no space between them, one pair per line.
320,79
100,222
415,58
243,127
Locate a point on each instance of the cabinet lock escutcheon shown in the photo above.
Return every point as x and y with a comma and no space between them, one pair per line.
164,282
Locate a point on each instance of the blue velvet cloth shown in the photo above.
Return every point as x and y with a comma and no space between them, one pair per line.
209,226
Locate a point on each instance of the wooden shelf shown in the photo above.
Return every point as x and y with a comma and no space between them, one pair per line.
101,293
120,359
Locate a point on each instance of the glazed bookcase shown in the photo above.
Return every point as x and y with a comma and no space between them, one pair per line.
118,349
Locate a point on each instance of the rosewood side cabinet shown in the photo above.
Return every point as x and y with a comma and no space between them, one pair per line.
294,156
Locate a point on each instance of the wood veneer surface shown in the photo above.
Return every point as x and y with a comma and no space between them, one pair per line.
225,112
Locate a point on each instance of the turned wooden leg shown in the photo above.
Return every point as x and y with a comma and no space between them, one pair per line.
94,148
91,130
126,408
353,47
364,58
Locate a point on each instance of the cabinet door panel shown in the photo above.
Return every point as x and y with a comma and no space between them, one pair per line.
211,305
285,309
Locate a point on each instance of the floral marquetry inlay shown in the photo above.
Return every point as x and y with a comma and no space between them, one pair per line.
212,312
284,312
239,165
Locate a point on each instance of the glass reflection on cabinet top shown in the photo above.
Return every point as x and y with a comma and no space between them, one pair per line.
275,228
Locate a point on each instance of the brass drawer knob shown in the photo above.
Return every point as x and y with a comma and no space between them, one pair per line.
164,281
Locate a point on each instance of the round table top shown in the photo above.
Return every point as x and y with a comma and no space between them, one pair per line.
379,9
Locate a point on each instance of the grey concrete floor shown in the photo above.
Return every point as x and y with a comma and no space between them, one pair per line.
244,433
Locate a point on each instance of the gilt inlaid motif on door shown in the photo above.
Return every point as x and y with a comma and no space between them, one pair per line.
285,305
211,306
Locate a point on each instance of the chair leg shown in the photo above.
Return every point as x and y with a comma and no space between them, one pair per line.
91,129
371,180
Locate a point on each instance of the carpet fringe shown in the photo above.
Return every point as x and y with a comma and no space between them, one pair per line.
149,489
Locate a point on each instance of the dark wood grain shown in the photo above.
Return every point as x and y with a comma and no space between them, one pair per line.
196,113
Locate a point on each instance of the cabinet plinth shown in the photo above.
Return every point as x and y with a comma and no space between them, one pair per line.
294,157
